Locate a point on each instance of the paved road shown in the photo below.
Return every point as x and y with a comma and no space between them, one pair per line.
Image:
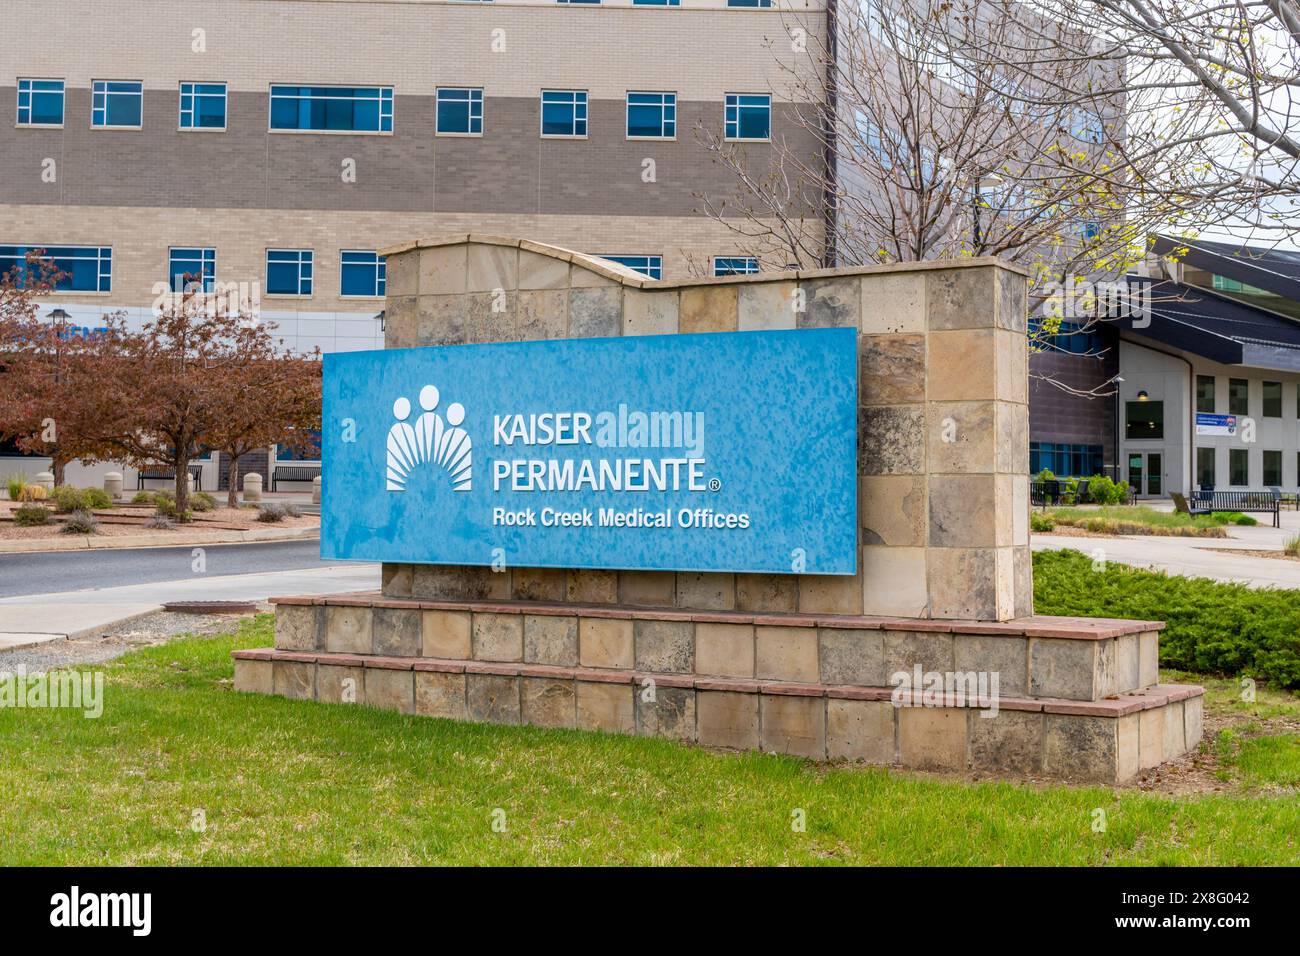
54,571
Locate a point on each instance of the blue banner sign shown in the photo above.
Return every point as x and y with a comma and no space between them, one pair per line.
721,452
1207,424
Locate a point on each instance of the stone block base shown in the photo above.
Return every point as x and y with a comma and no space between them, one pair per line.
1076,699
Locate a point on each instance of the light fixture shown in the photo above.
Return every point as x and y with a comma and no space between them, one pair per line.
380,317
1142,395
60,315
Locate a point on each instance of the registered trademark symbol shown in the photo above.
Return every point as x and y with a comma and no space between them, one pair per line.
715,484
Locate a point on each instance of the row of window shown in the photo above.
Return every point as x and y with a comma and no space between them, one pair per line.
1239,397
362,273
1066,460
1239,468
119,104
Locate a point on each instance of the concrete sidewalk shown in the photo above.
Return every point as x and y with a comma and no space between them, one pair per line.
39,618
157,539
1192,557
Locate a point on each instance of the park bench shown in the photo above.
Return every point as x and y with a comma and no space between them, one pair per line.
294,473
1206,502
162,474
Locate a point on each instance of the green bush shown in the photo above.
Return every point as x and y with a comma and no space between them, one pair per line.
1292,546
96,498
66,498
15,484
28,515
1212,628
80,522
202,501
1105,491
1045,475
1041,522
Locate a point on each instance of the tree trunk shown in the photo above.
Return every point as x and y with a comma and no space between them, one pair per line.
182,488
232,501
59,467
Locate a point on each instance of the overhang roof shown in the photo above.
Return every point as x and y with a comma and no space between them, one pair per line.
1218,328
1273,270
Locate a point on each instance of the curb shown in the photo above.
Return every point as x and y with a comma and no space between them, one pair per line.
90,543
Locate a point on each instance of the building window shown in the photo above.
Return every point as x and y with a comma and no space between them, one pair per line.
460,111
1071,338
734,265
1205,467
1238,467
288,271
309,452
81,268
117,104
40,102
363,274
1066,460
1272,399
564,113
749,3
1224,284
332,109
748,116
192,269
656,3
652,116
1144,420
1272,469
203,106
1238,396
1205,394
652,267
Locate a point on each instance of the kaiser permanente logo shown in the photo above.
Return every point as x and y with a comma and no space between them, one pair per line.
430,441
622,428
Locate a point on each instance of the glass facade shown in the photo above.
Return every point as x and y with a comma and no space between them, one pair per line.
81,268
1066,460
332,109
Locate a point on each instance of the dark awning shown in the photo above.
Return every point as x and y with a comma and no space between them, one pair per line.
1217,327
1273,270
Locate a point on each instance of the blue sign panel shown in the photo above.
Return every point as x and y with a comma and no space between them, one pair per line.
724,452
1207,424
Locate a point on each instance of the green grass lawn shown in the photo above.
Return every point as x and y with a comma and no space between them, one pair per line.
282,781
1139,519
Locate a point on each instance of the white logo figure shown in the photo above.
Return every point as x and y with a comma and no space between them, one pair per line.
431,439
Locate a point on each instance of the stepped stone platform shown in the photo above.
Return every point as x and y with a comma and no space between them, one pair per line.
1075,699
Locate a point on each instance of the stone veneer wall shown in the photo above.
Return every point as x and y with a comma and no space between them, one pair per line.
943,412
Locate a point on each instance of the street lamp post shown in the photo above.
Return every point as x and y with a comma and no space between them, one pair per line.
987,181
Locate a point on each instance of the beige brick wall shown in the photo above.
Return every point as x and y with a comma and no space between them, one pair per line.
140,238
413,46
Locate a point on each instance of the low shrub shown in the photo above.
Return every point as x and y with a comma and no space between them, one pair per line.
1292,546
270,514
160,523
1105,491
67,498
143,498
29,515
1212,627
1041,522
96,499
14,484
33,493
165,505
80,522
291,511
202,501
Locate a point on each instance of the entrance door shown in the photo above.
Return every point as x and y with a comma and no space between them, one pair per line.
1146,472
